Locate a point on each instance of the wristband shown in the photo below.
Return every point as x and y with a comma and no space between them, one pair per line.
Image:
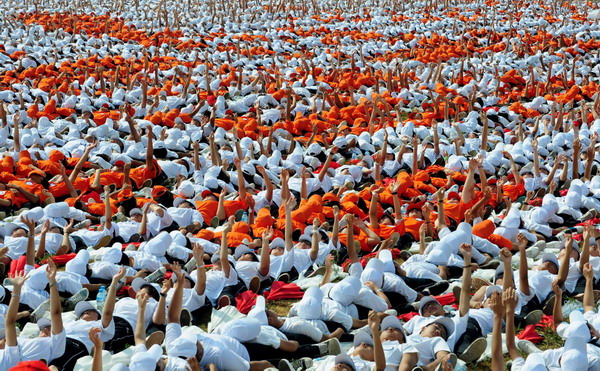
15,296
52,285
111,285
163,295
198,266
466,267
378,291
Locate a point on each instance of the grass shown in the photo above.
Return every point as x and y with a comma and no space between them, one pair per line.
551,341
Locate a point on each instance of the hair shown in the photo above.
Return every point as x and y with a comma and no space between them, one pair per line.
151,291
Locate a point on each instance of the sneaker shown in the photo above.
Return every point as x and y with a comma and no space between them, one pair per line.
391,312
81,295
331,347
189,266
156,275
7,282
254,285
223,302
549,306
527,347
534,317
436,288
532,252
285,365
284,277
474,350
405,255
478,283
155,338
541,245
185,318
492,264
456,290
318,272
40,310
302,363
104,241
214,222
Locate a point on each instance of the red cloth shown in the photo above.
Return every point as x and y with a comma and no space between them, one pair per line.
280,290
30,366
136,244
245,301
17,266
530,334
61,259
407,316
365,259
446,299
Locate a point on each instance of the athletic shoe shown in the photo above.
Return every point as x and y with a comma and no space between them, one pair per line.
155,338
81,295
534,317
549,307
40,310
474,350
189,266
527,347
532,252
156,275
331,347
223,302
104,241
254,285
285,365
185,317
436,289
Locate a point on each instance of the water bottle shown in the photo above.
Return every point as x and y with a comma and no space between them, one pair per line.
245,217
403,209
101,298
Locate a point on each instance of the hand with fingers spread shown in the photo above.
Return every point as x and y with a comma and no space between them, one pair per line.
94,335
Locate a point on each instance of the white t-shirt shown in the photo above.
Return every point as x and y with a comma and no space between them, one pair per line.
127,308
48,348
80,330
427,347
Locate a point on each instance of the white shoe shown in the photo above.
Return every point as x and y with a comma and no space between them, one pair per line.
532,252
528,347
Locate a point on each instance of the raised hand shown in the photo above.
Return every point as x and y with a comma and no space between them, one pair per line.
198,252
373,321
142,299
588,272
51,270
94,335
267,234
19,279
30,223
509,299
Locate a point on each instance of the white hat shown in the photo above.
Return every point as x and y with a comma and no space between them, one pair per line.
309,307
146,360
386,257
112,255
183,346
259,311
158,245
186,189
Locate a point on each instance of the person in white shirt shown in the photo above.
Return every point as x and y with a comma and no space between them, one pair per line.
10,352
78,341
126,309
51,342
194,298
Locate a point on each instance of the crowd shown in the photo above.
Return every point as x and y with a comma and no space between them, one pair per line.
420,181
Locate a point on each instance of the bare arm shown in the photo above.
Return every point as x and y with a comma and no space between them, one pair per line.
109,304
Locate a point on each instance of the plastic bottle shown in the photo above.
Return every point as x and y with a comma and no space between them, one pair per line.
245,217
101,298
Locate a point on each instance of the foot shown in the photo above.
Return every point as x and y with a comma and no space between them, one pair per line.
474,350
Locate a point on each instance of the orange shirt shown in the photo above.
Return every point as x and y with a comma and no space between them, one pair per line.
30,186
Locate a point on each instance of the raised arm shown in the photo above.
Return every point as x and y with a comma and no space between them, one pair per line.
94,335
374,322
107,209
498,309
150,151
350,239
241,182
563,270
224,247
55,306
30,253
109,304
289,205
265,260
327,163
140,327
13,307
316,237
509,299
177,299
200,286
588,294
523,268
267,181
465,293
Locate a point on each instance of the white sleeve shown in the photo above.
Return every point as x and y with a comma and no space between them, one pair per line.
367,298
172,332
59,343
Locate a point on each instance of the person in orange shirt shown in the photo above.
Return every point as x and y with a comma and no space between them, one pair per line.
30,191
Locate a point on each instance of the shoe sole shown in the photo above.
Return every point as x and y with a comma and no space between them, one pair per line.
436,289
534,317
155,338
549,307
479,283
104,241
474,351
223,302
254,285
334,347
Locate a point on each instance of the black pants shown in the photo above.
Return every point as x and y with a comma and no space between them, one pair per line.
418,284
301,339
201,315
259,352
233,291
472,332
74,350
123,336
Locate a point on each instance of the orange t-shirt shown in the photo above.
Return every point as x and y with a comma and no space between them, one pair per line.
30,186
